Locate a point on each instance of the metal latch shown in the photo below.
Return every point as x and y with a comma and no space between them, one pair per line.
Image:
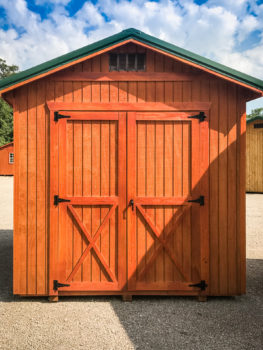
131,203
58,200
202,285
201,116
200,200
58,116
57,285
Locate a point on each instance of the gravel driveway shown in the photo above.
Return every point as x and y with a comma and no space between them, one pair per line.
147,322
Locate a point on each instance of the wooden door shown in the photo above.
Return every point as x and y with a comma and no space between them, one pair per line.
167,234
87,229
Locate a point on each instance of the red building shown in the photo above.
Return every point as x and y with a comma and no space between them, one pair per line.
7,159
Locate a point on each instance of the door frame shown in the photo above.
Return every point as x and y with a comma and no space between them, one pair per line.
126,107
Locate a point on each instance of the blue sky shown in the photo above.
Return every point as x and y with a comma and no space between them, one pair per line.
231,31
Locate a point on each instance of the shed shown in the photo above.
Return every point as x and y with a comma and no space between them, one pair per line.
254,155
130,172
7,159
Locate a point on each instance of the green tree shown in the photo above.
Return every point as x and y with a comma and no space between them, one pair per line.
255,113
6,112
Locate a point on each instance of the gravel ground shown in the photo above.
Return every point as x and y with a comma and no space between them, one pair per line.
147,322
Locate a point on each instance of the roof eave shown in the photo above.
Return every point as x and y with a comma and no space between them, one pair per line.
119,39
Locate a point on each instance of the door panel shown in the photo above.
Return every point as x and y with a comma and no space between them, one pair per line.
160,163
89,229
164,228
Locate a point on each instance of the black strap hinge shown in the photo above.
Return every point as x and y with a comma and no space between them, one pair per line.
201,116
58,116
58,200
200,200
57,285
202,285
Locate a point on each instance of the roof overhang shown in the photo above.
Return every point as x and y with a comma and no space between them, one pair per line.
10,144
254,119
124,37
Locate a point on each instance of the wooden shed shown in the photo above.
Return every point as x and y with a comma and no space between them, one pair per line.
129,172
7,159
254,155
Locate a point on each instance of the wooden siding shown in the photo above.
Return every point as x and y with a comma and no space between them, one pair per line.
254,168
5,167
226,170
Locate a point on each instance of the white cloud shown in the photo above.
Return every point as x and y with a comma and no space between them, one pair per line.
43,2
213,29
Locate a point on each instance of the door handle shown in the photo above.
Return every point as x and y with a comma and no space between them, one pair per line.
131,204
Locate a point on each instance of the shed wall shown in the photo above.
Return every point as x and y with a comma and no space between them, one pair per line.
226,171
254,167
5,167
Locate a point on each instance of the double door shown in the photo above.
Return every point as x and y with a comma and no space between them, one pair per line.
128,202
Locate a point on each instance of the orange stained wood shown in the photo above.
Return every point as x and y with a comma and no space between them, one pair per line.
77,242
158,201
89,239
6,168
166,102
254,147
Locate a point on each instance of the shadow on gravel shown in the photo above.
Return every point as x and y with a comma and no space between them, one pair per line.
185,323
6,265
163,322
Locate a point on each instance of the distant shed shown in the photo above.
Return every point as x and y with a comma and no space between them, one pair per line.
7,159
254,167
130,172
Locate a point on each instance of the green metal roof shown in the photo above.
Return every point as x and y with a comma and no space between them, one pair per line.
251,120
120,37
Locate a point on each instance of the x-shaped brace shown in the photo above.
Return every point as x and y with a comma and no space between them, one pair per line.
162,242
91,243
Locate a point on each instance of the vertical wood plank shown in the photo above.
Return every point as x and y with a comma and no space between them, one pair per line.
119,165
141,191
186,144
241,195
159,62
141,97
32,222
177,191
123,91
132,189
53,226
69,186
105,184
78,177
105,62
204,189
150,191
168,191
114,91
62,207
20,193
41,189
232,177
214,189
96,64
96,190
50,95
149,61
195,209
223,181
159,136
87,192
